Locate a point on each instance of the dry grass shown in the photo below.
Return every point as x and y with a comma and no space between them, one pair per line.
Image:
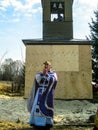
5,87
4,125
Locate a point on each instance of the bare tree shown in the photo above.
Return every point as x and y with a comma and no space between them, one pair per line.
13,71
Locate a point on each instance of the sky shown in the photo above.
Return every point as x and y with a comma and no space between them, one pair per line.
22,19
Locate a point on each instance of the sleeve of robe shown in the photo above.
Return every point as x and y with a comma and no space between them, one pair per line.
33,92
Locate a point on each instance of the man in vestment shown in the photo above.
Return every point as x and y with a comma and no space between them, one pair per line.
40,103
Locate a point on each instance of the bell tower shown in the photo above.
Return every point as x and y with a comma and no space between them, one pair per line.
70,58
57,19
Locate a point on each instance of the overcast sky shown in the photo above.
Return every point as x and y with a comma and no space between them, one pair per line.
22,19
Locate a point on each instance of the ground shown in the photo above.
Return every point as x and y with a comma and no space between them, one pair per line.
68,114
5,125
13,111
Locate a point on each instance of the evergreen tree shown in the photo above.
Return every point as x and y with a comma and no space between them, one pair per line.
94,38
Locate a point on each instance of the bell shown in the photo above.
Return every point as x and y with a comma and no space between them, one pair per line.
54,5
60,6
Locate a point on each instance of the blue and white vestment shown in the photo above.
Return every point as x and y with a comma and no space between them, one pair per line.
40,103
